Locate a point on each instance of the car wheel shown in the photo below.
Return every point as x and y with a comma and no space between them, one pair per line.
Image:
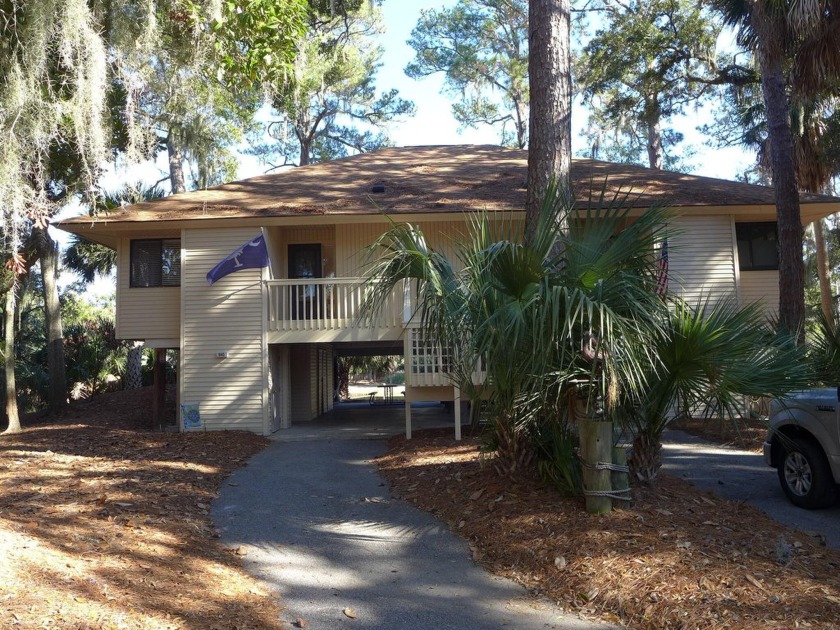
805,474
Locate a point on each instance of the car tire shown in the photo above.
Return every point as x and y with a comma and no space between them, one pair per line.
805,474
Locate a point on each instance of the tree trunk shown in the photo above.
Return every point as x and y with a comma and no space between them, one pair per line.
11,387
159,388
823,273
514,450
549,131
343,372
176,166
48,254
305,151
521,126
133,366
647,457
789,222
654,139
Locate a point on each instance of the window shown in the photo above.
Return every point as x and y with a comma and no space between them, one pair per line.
757,246
156,263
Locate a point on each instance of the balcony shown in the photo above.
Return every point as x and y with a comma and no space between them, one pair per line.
322,310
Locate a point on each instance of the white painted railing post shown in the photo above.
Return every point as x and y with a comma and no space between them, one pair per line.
319,304
457,414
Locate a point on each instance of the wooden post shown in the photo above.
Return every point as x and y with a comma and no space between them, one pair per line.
595,448
457,414
158,388
620,479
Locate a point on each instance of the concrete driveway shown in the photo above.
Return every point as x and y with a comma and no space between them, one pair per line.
743,476
319,526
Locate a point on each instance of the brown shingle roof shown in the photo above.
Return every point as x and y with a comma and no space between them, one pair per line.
432,179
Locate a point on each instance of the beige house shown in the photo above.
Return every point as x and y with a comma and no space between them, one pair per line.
257,346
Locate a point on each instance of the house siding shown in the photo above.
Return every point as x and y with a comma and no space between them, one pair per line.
300,382
352,241
279,240
311,378
762,287
144,312
227,316
701,258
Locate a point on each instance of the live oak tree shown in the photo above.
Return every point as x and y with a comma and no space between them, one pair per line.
59,64
329,105
481,47
647,62
180,99
53,78
255,41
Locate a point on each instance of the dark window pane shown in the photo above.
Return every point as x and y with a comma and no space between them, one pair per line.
744,254
757,246
155,263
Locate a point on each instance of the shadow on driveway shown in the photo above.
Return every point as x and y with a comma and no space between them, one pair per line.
319,526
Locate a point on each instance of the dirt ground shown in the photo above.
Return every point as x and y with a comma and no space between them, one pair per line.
106,526
677,558
103,525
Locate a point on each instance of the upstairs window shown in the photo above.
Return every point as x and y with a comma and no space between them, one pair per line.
758,248
156,263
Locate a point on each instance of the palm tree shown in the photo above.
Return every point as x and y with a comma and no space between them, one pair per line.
825,350
709,356
579,332
525,312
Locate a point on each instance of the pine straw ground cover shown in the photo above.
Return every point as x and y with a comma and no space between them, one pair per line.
106,526
678,558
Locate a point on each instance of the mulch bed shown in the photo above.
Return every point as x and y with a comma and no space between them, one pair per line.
103,525
678,558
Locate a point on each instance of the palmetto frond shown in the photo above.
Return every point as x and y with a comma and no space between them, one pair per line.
711,355
523,310
825,350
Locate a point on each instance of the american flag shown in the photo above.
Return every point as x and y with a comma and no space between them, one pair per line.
662,270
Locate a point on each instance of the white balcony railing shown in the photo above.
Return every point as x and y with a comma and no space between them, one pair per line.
323,304
429,364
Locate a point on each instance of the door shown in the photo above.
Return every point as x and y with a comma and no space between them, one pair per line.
305,262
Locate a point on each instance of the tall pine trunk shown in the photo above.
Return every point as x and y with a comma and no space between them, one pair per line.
788,218
48,255
549,131
11,386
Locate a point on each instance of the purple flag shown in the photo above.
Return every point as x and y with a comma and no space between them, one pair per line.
252,255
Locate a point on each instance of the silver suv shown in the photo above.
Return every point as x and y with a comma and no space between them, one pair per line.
803,444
